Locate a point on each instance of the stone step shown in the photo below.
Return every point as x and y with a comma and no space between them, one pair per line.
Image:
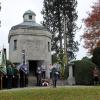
61,82
32,81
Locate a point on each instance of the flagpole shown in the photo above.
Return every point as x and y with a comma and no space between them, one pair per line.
23,56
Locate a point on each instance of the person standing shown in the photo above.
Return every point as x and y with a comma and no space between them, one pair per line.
50,69
15,76
39,75
54,76
43,71
22,75
9,76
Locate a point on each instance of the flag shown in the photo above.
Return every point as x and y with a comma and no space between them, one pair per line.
23,66
3,61
19,66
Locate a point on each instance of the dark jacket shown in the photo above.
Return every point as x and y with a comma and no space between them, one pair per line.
54,74
9,70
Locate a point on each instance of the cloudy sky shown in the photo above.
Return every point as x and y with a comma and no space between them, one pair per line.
12,14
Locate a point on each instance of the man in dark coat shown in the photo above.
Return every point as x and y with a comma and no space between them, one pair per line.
15,76
39,75
54,76
23,75
9,76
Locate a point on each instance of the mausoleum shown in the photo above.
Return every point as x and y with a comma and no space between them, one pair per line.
34,39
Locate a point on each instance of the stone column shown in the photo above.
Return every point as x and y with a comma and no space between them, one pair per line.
71,78
48,73
47,70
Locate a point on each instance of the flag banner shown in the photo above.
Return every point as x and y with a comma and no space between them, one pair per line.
24,68
19,66
3,61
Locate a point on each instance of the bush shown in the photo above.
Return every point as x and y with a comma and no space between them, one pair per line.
83,72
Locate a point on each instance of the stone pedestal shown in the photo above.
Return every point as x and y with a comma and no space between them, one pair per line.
71,78
48,73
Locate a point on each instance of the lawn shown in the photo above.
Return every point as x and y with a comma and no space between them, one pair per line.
59,93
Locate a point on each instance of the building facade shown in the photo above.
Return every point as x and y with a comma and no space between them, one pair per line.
34,39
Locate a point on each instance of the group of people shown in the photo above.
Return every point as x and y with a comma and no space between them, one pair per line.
40,74
17,78
14,78
54,75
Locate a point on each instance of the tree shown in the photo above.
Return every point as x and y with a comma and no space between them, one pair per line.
55,12
96,56
91,35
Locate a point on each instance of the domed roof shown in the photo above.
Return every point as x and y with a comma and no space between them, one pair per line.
28,22
29,25
29,12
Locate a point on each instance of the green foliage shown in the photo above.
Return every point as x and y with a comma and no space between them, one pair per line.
83,72
86,58
54,58
54,12
62,60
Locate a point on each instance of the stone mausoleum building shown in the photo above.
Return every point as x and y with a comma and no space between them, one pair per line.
34,39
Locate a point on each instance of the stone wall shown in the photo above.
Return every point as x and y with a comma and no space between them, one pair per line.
34,42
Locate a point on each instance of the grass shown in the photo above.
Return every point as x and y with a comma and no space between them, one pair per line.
59,93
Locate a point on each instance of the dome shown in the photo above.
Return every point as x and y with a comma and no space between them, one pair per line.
29,12
29,16
28,22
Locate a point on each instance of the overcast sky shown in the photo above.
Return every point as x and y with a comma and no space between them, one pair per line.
12,14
